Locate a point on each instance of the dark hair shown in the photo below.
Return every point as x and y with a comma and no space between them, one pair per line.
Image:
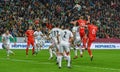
57,25
67,26
77,24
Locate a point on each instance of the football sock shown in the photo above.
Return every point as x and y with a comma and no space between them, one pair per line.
60,60
26,51
81,52
8,52
68,57
50,51
84,42
75,52
54,53
33,50
90,52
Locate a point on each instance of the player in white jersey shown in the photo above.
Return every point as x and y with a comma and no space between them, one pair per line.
38,40
65,40
54,33
6,42
77,41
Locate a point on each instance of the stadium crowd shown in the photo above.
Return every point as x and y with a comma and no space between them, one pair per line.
17,15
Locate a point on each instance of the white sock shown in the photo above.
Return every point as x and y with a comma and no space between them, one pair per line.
75,52
54,53
81,52
50,51
60,60
69,59
8,53
36,49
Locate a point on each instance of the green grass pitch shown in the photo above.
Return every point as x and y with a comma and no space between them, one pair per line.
104,61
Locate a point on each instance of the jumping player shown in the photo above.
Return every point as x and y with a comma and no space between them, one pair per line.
77,40
92,31
30,39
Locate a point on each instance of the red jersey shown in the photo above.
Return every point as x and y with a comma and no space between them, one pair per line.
30,34
92,29
82,23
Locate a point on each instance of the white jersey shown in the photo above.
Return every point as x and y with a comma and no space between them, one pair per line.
38,35
76,30
54,33
65,35
6,38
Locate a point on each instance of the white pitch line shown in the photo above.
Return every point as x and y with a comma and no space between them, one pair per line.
26,61
34,62
112,69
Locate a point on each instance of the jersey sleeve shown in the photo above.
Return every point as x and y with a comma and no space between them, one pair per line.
11,36
71,34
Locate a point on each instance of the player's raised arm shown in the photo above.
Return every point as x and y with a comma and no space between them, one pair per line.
73,22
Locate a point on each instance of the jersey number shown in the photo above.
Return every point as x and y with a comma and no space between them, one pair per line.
56,33
65,33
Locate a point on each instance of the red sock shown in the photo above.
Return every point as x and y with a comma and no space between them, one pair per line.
26,51
90,52
84,42
33,49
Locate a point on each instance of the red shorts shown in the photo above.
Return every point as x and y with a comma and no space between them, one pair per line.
30,42
82,34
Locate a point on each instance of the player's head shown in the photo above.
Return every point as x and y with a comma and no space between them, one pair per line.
57,25
7,32
81,17
67,26
38,28
62,26
30,27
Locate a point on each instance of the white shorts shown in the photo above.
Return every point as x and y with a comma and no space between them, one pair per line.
40,42
55,44
77,40
64,46
4,46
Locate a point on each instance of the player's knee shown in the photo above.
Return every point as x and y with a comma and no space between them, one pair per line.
67,53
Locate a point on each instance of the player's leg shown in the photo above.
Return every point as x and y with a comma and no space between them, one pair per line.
36,47
50,52
33,49
28,45
88,48
7,46
67,50
79,46
84,40
60,55
75,51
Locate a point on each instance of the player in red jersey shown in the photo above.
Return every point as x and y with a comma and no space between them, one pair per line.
92,31
30,39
